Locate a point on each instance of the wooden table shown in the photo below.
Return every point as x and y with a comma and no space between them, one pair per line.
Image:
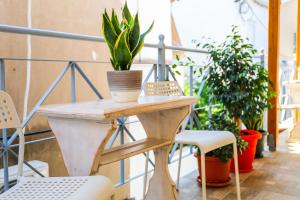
83,129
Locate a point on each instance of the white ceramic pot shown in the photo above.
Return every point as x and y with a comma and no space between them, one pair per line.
125,86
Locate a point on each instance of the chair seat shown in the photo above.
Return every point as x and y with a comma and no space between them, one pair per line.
205,140
61,188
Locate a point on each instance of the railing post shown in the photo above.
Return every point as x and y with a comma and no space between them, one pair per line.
73,85
161,59
122,162
191,92
265,113
4,133
155,73
2,75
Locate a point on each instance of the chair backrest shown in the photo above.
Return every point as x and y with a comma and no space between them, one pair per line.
162,88
9,119
8,114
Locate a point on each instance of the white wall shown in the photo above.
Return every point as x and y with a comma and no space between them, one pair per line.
288,28
159,12
213,18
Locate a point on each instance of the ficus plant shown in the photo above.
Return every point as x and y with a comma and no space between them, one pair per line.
123,37
236,80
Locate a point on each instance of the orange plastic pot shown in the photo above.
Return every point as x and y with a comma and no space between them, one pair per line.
245,159
216,171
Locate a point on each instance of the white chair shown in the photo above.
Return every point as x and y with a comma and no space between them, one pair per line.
55,188
205,140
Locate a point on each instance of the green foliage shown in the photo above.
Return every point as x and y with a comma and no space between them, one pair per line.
123,37
186,62
236,81
253,122
221,121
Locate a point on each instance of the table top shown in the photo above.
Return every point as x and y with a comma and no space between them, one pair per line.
108,109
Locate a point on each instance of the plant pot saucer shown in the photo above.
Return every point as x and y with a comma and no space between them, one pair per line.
215,184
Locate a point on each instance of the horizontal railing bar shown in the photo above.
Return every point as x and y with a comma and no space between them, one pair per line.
48,33
32,133
52,60
136,62
178,48
34,141
76,36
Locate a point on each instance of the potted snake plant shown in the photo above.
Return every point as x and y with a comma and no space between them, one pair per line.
124,41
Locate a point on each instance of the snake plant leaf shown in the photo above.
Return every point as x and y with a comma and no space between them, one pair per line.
123,37
126,14
134,34
122,52
140,45
108,31
115,23
113,63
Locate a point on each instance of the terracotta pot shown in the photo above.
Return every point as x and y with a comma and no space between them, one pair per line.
125,86
216,171
245,159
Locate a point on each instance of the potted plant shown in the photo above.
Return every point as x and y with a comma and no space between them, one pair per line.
124,41
240,84
217,162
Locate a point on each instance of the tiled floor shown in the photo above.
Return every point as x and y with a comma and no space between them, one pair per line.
276,177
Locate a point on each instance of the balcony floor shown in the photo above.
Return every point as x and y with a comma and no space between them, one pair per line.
276,177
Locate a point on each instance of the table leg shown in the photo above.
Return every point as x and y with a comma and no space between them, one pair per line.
81,143
163,125
161,185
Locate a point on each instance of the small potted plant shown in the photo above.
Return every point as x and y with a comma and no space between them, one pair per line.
239,84
124,41
217,162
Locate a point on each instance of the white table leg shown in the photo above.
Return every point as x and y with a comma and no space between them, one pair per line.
81,143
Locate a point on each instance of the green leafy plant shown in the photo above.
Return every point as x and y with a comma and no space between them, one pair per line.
221,121
253,122
123,37
239,83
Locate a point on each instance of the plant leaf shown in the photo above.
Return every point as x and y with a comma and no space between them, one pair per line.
126,14
115,23
134,34
141,41
122,52
108,31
